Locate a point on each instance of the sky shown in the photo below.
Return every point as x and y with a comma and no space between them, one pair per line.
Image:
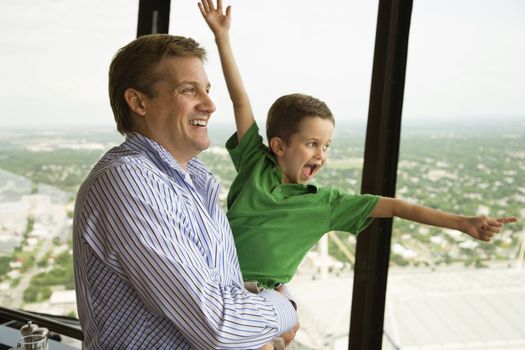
464,58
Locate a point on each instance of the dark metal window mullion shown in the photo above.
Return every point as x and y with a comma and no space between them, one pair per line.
380,171
154,17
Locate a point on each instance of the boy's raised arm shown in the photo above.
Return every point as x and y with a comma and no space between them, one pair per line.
219,22
479,227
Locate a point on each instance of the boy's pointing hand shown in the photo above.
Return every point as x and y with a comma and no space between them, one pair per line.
484,228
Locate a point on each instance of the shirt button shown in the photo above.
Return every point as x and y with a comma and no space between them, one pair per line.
280,189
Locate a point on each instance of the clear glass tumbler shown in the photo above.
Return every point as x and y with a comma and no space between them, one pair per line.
32,342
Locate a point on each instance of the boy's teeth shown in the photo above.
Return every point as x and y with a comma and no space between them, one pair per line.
309,169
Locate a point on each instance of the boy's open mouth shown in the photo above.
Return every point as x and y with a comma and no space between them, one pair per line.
309,169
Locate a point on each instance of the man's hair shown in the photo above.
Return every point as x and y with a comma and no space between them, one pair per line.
287,112
136,66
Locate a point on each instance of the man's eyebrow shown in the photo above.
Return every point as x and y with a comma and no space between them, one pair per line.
194,83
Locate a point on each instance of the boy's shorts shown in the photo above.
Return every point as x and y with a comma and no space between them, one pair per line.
278,342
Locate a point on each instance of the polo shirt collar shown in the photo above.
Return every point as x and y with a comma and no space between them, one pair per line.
271,157
309,188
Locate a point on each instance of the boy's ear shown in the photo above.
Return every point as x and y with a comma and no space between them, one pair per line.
277,146
135,101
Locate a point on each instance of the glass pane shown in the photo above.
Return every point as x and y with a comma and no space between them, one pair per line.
462,151
56,122
325,50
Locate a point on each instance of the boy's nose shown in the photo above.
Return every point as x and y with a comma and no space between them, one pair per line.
321,154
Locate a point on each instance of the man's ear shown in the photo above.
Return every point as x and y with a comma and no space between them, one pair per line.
277,146
135,101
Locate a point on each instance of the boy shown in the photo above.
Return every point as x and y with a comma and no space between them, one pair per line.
275,215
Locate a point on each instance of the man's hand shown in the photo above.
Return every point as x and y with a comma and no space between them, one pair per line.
484,227
268,346
218,21
288,336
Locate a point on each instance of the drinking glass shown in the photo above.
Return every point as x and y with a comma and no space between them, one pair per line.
32,342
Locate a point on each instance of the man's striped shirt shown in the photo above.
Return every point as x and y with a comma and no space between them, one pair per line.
155,261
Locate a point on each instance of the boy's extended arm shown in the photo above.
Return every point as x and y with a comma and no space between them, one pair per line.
478,227
219,23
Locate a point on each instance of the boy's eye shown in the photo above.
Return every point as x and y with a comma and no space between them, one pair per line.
312,144
326,147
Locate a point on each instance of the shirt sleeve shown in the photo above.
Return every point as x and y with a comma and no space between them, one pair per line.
243,153
142,232
351,213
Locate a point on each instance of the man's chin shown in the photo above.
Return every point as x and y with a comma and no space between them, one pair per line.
203,146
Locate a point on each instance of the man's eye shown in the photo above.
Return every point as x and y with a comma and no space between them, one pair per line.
188,90
326,147
311,144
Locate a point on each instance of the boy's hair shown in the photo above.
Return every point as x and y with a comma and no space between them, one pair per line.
287,112
136,66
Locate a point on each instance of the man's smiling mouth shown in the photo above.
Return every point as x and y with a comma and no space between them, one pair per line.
199,122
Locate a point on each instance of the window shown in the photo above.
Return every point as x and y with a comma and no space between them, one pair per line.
461,151
56,122
325,50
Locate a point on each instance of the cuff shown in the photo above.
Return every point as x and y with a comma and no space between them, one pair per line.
286,293
286,314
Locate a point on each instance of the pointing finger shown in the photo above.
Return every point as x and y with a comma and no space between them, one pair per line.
507,220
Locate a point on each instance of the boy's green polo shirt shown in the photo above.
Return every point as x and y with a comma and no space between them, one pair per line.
275,224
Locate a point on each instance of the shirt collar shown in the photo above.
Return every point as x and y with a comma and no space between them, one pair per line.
270,156
196,173
309,188
162,158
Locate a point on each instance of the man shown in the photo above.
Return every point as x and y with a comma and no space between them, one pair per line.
155,262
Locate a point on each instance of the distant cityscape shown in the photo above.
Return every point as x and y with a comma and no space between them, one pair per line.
468,170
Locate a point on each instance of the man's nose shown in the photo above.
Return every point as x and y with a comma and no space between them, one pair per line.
207,105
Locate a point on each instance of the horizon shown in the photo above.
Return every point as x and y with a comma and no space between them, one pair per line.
407,122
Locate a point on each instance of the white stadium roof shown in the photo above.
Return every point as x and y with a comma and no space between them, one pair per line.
444,309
